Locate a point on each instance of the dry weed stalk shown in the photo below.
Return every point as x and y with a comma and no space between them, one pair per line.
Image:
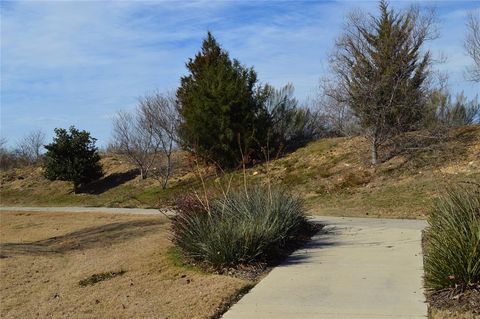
204,202
203,198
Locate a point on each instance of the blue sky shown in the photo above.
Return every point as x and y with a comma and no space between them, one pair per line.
78,62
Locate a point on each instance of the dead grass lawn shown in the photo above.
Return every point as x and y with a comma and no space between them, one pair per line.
45,255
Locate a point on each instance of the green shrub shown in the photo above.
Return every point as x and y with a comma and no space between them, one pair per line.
239,228
452,256
72,156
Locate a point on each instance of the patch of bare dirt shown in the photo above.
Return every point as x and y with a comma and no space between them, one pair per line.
456,301
435,313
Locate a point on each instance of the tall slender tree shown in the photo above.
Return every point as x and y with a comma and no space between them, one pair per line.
218,105
382,68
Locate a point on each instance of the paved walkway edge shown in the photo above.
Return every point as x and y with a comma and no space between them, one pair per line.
109,210
356,268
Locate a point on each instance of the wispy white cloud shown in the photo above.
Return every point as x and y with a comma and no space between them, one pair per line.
30,120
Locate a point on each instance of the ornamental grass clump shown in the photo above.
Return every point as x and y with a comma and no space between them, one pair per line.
239,228
452,258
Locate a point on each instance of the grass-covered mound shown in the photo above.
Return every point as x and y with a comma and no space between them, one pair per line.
332,175
240,228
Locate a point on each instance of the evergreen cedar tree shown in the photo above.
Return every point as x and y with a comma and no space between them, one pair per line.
221,108
72,156
384,72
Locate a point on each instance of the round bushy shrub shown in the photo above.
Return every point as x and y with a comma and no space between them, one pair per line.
452,256
239,228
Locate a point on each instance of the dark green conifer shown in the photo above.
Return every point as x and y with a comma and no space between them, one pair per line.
219,107
72,156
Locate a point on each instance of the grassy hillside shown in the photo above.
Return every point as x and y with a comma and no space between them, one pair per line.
332,175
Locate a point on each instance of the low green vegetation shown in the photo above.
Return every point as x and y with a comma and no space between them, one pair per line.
177,259
243,227
452,256
95,278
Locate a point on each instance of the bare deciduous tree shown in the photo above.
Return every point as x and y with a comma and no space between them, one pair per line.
161,113
6,157
333,103
147,133
135,140
3,143
472,45
30,146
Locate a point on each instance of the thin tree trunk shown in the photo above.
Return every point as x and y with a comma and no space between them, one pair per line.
75,187
168,154
165,179
167,172
374,150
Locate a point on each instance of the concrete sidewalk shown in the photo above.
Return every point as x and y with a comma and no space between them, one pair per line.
356,268
108,210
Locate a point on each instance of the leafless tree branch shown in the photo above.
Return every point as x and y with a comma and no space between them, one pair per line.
472,45
29,148
148,135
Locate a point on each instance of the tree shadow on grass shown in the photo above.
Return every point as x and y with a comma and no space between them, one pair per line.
91,237
108,182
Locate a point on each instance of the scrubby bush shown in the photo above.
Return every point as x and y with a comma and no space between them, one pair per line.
292,126
443,110
452,256
239,228
460,112
72,156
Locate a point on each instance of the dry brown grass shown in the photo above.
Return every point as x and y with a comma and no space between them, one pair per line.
46,255
120,187
333,175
